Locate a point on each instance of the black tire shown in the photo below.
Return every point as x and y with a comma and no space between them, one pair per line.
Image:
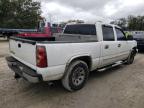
131,57
76,76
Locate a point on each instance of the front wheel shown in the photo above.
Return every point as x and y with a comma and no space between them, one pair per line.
131,57
76,76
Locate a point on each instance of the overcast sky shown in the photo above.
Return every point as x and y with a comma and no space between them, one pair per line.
90,10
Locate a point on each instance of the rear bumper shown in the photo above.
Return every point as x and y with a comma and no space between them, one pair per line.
23,71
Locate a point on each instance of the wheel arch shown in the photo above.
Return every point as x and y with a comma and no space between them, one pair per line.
135,49
86,58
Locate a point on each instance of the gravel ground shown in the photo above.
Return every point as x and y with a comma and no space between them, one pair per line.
118,87
4,46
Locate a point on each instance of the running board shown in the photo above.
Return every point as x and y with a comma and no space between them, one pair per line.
111,66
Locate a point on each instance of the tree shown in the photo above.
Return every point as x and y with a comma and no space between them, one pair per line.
130,23
75,21
19,13
122,22
136,23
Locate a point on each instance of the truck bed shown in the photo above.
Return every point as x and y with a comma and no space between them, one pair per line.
63,38
24,49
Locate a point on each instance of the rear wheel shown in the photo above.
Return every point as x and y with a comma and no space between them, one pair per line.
76,76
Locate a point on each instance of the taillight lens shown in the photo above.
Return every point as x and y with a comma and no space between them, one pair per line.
41,57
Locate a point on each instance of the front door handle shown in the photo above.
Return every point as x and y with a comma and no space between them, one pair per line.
19,45
119,45
106,46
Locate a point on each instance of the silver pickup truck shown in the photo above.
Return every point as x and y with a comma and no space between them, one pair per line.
72,55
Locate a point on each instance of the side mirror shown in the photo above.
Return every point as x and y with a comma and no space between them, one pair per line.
129,37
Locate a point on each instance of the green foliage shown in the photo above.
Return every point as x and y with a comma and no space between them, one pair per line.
136,23
122,22
130,23
19,13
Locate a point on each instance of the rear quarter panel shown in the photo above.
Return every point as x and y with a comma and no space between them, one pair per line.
59,54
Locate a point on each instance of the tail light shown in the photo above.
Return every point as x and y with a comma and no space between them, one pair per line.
41,57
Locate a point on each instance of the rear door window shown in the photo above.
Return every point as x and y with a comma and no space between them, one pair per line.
108,33
83,29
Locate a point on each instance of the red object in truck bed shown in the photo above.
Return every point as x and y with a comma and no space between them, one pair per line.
47,33
38,34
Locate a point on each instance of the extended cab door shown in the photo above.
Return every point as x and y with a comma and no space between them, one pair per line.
109,45
122,44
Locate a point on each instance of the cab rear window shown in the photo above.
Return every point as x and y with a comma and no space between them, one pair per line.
83,29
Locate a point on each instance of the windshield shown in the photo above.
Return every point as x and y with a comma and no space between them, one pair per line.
41,26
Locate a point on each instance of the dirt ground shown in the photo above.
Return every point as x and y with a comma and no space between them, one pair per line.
119,87
4,47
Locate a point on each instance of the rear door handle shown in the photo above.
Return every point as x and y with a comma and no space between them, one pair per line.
119,45
106,46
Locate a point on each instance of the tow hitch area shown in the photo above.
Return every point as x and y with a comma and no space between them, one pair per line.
23,71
